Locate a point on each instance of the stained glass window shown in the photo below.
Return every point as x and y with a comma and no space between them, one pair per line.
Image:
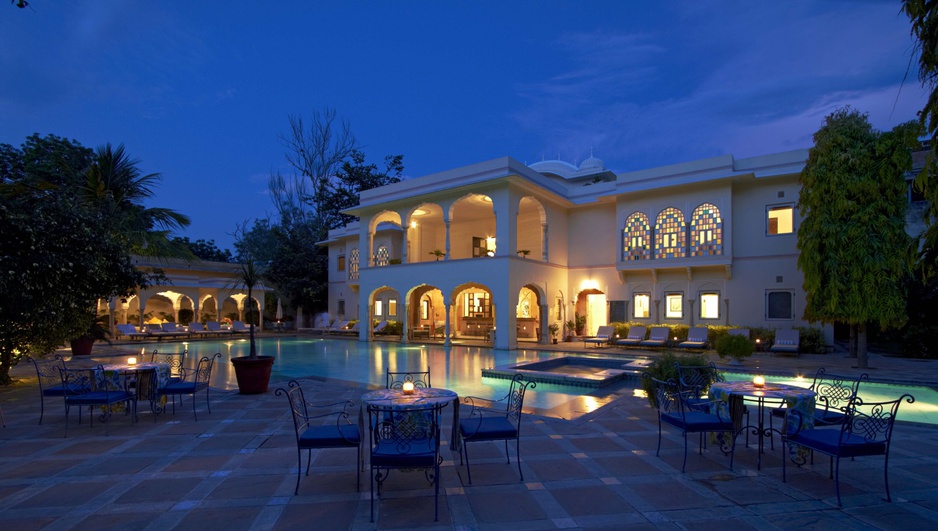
670,232
353,264
706,231
636,238
381,257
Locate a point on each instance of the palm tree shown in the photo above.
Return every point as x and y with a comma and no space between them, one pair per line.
117,189
251,275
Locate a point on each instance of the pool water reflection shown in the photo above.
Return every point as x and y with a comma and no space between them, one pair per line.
458,368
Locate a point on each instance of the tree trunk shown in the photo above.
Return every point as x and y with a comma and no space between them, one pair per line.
251,323
852,345
861,346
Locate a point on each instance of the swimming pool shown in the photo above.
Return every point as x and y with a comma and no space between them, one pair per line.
924,409
458,368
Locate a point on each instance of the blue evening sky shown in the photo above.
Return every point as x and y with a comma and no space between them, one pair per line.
200,91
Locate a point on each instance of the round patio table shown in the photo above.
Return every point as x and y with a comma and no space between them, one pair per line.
735,394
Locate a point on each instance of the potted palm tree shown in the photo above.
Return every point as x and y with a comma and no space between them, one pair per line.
97,331
252,371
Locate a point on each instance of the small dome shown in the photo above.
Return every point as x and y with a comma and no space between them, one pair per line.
593,164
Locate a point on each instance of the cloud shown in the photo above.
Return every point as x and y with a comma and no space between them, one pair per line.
718,81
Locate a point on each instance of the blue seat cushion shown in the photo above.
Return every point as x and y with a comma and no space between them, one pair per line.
416,454
695,421
693,344
179,388
490,428
828,441
98,398
330,436
56,390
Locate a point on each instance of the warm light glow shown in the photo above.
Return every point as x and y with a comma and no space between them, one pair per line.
408,388
131,361
758,381
758,340
413,224
421,212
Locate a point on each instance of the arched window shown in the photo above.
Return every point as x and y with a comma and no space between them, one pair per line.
381,256
636,237
706,231
670,232
353,264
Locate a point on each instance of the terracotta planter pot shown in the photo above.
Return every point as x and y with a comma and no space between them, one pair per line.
82,346
253,374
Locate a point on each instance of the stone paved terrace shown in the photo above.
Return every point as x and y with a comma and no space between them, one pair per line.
235,469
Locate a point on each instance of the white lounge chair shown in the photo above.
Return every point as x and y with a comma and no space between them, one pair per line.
238,327
602,337
380,327
216,328
658,337
196,328
786,342
635,337
130,331
696,338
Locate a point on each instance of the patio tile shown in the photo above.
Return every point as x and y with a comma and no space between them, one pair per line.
240,487
558,469
591,500
66,494
159,490
329,515
504,506
219,519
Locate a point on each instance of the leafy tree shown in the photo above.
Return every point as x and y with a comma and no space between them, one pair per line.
852,240
42,162
71,218
204,250
924,17
356,176
57,262
114,186
329,172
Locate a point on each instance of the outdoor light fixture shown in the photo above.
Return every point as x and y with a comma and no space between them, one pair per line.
758,382
408,388
131,361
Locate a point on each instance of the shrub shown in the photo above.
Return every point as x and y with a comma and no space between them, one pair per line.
811,340
394,328
736,347
185,316
665,368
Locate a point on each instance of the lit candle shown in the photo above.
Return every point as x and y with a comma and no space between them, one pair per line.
131,361
408,388
758,381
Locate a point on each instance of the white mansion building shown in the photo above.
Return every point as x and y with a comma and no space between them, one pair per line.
504,246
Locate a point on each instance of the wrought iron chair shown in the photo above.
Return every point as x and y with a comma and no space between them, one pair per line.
191,383
90,387
176,361
833,393
866,430
482,425
49,373
418,378
405,438
674,409
339,432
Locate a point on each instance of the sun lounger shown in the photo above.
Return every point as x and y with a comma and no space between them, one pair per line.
171,330
130,331
213,326
238,327
380,327
657,338
786,342
696,338
635,337
196,328
602,337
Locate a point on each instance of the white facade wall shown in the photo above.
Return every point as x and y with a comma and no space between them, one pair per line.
574,235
